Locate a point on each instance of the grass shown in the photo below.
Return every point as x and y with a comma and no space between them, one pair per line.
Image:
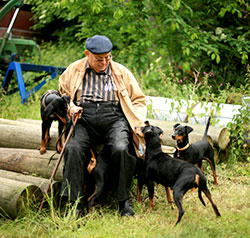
231,196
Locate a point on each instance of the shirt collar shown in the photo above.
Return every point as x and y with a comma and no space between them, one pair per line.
106,71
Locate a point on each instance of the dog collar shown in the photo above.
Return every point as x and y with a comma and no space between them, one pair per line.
183,148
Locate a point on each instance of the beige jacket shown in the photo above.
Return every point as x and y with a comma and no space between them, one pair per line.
132,99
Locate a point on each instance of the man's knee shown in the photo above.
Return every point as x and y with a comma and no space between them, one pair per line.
119,148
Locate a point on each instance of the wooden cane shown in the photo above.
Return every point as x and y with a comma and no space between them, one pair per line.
58,161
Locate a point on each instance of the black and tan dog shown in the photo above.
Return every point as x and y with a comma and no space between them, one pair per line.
196,152
53,108
171,172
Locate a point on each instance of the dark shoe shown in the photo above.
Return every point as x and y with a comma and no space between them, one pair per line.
125,208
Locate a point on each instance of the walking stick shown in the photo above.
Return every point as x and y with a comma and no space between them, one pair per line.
59,160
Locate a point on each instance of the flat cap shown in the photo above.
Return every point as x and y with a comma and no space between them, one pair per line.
99,44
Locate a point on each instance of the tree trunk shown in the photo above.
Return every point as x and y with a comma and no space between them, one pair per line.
30,162
15,195
39,182
224,139
16,134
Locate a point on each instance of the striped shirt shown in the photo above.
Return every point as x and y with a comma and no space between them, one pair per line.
97,87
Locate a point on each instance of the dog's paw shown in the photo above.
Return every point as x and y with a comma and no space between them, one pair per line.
59,149
42,150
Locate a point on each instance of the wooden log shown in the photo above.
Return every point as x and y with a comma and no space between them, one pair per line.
16,195
24,135
168,149
224,139
34,122
30,162
224,154
21,122
38,181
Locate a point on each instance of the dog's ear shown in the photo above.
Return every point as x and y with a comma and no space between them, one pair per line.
48,110
176,125
159,130
188,129
147,123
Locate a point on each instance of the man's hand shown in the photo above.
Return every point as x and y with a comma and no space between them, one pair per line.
75,110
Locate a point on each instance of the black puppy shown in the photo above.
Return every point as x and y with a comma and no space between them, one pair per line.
53,108
196,152
170,172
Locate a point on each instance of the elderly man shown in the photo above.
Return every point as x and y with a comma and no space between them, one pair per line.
111,103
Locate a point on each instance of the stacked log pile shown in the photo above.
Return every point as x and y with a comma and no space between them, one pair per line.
23,170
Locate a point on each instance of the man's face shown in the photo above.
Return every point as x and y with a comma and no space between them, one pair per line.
98,62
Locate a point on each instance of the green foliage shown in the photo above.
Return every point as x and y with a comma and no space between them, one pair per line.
240,130
191,35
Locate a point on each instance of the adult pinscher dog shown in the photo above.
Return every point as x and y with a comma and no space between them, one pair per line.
196,152
171,172
53,108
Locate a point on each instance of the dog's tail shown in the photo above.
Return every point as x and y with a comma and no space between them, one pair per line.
206,131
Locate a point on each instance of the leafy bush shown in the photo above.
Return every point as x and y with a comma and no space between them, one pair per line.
240,131
211,36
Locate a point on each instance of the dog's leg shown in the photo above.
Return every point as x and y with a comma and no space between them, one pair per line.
151,192
98,190
213,170
140,183
199,164
92,198
209,196
169,197
45,136
139,189
178,195
98,173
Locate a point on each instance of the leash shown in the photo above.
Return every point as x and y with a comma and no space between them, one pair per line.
74,119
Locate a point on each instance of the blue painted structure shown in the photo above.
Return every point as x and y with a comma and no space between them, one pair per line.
20,67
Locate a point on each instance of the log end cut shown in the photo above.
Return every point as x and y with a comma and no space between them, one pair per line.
224,138
16,196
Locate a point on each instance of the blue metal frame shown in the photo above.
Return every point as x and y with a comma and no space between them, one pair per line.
19,67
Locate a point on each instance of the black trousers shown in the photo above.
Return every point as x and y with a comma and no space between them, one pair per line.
109,122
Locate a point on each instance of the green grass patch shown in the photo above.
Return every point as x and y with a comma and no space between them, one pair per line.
231,196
